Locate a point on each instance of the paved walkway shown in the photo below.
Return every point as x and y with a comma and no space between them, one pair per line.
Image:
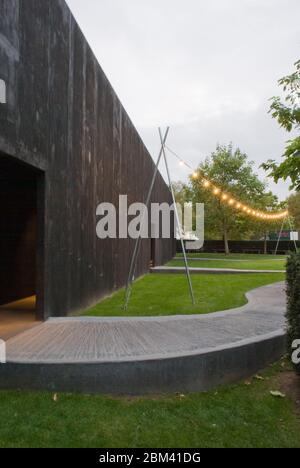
212,271
100,340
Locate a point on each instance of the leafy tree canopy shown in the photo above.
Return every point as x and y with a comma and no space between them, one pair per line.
232,172
294,209
287,113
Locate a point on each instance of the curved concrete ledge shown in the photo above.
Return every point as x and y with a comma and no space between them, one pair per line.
149,355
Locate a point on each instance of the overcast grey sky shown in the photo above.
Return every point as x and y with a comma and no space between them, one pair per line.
205,68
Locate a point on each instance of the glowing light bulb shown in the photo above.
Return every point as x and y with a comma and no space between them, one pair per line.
238,206
231,202
206,183
216,191
195,175
224,197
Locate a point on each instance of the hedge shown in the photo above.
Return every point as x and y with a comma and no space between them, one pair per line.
293,302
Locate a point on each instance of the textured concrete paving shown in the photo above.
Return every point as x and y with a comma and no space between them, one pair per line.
104,340
213,271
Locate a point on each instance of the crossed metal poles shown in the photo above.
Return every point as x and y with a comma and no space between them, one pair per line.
280,234
136,251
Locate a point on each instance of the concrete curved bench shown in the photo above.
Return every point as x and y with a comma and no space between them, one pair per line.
149,355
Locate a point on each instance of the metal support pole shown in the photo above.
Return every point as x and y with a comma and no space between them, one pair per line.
279,237
138,240
178,221
292,231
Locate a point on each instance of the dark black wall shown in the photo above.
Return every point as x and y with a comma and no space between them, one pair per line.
211,246
64,118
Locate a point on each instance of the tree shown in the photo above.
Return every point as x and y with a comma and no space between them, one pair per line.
233,173
287,114
182,192
262,228
294,209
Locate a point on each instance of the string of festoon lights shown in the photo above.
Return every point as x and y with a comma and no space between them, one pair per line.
226,197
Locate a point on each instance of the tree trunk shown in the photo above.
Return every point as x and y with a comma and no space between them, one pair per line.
226,245
266,243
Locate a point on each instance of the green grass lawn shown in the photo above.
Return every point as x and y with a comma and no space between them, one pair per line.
234,261
156,294
240,265
243,415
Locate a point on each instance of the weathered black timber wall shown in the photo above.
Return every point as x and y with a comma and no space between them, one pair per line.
63,117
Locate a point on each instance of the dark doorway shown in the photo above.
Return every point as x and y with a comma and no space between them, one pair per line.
20,235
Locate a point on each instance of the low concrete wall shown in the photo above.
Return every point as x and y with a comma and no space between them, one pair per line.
201,371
